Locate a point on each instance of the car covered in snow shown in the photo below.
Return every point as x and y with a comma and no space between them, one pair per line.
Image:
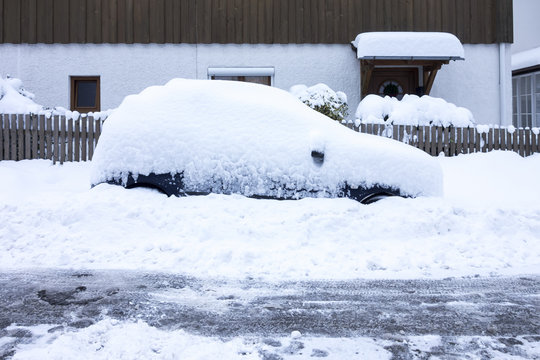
192,137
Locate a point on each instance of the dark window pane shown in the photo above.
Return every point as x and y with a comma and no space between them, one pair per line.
86,93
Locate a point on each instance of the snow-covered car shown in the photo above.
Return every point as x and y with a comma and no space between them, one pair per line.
207,136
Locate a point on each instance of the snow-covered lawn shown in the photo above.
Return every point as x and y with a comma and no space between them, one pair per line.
487,223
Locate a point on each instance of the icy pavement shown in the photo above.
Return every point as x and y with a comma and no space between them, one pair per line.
154,315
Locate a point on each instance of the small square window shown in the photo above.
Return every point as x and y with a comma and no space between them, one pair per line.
85,93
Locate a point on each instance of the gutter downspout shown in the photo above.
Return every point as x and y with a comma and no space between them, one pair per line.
502,84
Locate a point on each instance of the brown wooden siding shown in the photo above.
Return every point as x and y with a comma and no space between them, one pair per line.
247,21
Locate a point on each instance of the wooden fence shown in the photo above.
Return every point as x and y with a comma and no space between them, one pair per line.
456,140
48,137
60,139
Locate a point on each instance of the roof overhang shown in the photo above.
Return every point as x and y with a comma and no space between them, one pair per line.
413,46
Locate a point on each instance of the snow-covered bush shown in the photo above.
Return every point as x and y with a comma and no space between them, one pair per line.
14,99
323,99
412,110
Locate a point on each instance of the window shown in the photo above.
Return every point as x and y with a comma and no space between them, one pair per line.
526,100
85,93
259,75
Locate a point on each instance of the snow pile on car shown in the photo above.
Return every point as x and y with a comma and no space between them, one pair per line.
247,138
412,110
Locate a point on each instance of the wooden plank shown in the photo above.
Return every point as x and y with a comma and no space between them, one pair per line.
109,21
77,21
20,137
478,142
6,132
395,132
521,142
84,139
61,21
283,30
204,21
471,139
534,143
2,27
63,139
459,140
13,137
496,138
28,21
307,22
27,128
97,131
70,140
452,141
510,140
490,135
327,17
77,139
34,135
169,21
460,6
41,138
129,21
477,27
48,138
448,16
1,130
141,22
502,139
420,143
156,23
369,129
91,122
56,140
93,22
439,140
515,141
420,16
446,141
401,133
527,134
11,21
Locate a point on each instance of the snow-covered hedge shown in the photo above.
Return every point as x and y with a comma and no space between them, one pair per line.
412,110
323,99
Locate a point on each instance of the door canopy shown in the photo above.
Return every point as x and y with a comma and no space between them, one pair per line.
427,51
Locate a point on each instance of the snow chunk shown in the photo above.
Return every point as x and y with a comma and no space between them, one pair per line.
525,59
412,110
247,138
417,45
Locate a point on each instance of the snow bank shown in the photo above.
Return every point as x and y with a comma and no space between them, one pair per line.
323,99
525,59
433,45
412,110
233,137
484,225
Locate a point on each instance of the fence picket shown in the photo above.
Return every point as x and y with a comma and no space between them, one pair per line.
77,145
27,136
1,137
70,140
496,139
48,138
13,138
84,139
521,142
91,122
534,144
62,140
34,121
41,139
527,142
56,144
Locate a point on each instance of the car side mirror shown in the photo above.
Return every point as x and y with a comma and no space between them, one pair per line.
318,157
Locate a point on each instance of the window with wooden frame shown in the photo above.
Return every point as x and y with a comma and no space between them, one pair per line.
85,93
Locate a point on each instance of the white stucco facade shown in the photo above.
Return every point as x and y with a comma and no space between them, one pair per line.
127,69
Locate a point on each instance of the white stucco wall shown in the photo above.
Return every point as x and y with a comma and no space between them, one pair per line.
128,69
474,83
526,25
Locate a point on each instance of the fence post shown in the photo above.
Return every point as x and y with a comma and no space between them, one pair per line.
62,139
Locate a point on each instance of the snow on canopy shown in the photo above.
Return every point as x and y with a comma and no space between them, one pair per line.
416,45
525,59
412,110
248,137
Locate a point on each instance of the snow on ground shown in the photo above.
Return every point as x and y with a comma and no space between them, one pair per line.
487,223
111,339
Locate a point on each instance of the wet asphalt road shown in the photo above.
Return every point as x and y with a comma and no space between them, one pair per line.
498,307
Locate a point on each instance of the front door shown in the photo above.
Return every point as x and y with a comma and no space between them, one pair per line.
393,81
